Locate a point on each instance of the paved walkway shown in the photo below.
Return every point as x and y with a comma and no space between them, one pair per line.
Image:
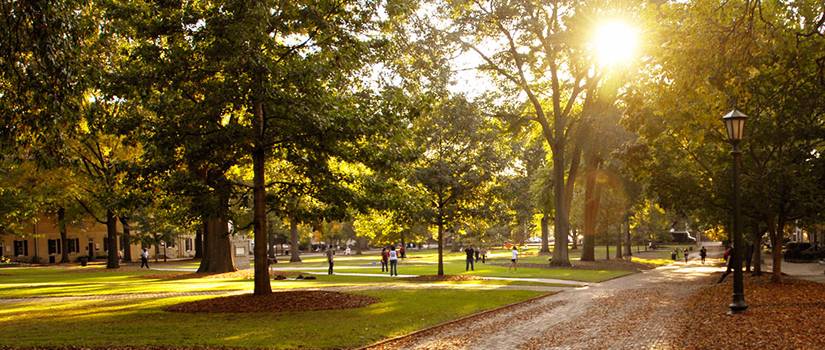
632,312
811,271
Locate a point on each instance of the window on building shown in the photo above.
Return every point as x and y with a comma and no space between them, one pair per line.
54,246
73,245
21,248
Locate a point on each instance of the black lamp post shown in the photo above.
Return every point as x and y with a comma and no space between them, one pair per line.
735,125
163,244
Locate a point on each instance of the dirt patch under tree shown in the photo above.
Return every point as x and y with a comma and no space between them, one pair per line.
276,302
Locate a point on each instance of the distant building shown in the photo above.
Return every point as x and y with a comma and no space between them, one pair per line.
87,239
681,236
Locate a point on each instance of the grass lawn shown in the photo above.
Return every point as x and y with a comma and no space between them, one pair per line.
142,322
96,280
424,263
457,268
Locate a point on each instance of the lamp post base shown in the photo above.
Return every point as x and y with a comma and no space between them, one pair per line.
738,306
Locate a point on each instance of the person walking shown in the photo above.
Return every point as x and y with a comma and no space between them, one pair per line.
729,263
385,255
483,255
402,252
703,253
514,259
144,258
478,253
686,255
673,255
469,261
330,257
393,257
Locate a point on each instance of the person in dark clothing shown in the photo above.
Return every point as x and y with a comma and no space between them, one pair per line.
470,254
673,255
729,261
686,255
330,255
478,253
703,253
385,256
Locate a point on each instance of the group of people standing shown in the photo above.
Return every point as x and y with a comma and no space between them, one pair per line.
674,254
389,259
473,256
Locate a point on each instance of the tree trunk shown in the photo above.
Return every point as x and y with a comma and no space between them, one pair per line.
127,239
111,235
545,235
295,255
756,238
592,197
217,246
778,232
199,242
628,251
64,240
561,227
157,248
440,244
403,244
262,286
360,245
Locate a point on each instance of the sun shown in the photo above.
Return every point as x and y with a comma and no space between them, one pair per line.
615,42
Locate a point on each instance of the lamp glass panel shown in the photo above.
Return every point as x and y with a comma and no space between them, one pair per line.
729,127
740,122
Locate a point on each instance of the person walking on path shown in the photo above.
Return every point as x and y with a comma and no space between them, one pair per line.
385,255
144,258
514,259
330,257
686,255
673,254
729,263
478,253
483,255
469,261
703,253
393,257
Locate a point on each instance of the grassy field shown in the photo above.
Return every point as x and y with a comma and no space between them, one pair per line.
404,305
424,263
142,322
96,280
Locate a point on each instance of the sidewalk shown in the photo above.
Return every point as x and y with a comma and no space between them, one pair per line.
814,272
632,312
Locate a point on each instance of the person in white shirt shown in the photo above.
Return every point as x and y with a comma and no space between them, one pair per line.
144,258
514,259
393,261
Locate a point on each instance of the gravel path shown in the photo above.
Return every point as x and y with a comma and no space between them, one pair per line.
632,312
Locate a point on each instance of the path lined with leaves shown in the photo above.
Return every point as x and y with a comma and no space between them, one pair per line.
632,312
